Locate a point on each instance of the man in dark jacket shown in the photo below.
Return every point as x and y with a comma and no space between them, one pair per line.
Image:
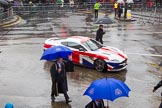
120,10
96,104
125,10
99,34
59,80
155,88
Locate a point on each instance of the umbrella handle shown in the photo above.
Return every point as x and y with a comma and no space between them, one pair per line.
107,104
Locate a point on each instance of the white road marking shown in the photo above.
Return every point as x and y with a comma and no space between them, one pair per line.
153,55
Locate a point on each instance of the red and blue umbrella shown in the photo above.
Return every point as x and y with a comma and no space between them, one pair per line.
56,52
107,88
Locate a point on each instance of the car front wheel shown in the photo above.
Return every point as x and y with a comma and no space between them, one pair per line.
100,65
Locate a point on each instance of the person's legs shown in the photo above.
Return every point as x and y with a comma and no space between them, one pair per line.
119,14
115,12
125,13
160,105
101,40
64,89
66,95
97,39
53,89
97,13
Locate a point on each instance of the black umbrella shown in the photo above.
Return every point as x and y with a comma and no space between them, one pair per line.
3,2
104,20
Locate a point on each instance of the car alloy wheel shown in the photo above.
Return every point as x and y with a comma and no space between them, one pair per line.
100,65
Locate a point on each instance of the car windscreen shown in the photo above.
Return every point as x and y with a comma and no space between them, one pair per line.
92,44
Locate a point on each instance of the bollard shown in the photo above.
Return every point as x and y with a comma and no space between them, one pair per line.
129,14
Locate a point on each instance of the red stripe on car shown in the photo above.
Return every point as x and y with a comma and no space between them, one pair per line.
47,46
114,52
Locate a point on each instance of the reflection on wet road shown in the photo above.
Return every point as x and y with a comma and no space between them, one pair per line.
60,104
83,75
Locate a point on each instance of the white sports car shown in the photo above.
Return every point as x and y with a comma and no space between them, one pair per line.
88,52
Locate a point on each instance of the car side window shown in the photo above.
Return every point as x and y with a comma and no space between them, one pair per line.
75,45
64,43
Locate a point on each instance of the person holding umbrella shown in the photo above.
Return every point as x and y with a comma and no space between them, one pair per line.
58,72
99,103
59,80
108,89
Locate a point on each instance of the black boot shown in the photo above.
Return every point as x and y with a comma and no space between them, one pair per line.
52,98
68,101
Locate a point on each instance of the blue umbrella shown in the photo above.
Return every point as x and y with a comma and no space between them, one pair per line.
107,88
56,52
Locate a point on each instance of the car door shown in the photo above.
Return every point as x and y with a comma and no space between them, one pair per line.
80,55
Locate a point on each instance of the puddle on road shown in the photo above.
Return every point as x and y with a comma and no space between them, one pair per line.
60,104
89,18
157,49
86,75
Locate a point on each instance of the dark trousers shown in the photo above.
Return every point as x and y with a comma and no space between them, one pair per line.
96,13
53,87
125,13
160,105
120,12
119,15
115,10
64,90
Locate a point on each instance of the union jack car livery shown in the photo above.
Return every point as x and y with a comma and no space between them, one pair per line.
88,52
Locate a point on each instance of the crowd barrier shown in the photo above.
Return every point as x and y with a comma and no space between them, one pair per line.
77,6
58,7
6,15
53,7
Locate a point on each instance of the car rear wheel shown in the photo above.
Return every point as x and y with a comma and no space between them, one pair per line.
100,65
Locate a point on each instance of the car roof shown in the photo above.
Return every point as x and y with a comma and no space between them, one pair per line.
78,39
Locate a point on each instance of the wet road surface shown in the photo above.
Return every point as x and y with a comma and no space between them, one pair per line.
25,80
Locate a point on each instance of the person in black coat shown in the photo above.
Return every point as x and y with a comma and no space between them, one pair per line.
99,34
159,84
96,104
125,10
120,10
59,80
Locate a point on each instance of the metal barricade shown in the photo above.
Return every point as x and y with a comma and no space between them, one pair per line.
58,7
150,15
6,15
54,7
